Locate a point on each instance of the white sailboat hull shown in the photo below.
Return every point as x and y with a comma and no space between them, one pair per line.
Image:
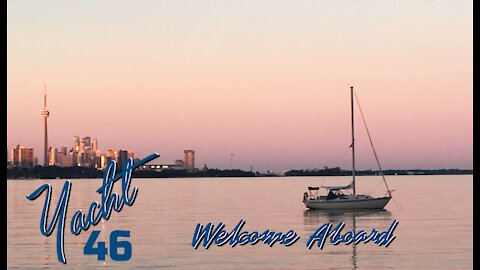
370,203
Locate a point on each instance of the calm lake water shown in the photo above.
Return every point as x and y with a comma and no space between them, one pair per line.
435,229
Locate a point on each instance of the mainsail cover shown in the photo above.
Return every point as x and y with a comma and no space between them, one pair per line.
350,186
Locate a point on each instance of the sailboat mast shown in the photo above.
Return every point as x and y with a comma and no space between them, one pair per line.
353,141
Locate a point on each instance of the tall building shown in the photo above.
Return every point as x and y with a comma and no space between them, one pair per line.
11,156
97,162
81,159
26,157
76,143
45,113
53,156
104,161
90,158
189,160
81,147
122,159
86,142
22,156
75,161
94,144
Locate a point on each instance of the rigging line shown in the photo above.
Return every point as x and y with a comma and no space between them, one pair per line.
373,189
371,143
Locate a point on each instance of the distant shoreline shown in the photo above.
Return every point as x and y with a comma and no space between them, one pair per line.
53,172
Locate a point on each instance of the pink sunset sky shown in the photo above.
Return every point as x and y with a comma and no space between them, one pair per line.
265,80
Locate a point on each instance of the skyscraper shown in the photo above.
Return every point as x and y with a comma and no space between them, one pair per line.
86,142
104,161
122,159
26,157
53,156
189,160
81,148
23,156
94,144
45,113
76,143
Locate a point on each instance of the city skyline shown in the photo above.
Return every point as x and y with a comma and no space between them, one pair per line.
270,87
85,153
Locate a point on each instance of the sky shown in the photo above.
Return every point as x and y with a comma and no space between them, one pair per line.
265,80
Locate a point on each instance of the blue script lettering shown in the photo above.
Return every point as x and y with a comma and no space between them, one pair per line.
321,234
59,215
80,221
219,236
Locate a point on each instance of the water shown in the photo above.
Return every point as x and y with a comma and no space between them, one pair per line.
435,229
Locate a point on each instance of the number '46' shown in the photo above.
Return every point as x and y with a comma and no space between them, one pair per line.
101,249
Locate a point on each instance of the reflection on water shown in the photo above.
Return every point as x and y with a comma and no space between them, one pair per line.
312,217
163,219
349,217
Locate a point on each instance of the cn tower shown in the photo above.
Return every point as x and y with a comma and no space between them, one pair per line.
45,114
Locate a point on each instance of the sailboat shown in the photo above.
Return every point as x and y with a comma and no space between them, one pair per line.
336,198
